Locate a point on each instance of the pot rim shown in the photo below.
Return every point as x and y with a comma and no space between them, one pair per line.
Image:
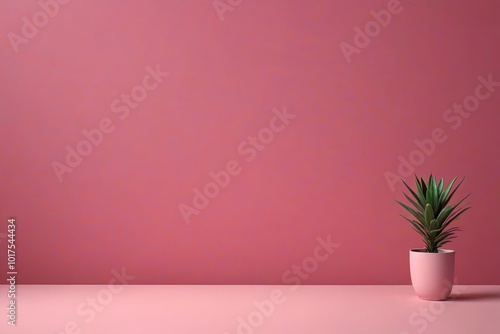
423,251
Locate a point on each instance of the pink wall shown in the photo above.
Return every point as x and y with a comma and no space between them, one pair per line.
356,106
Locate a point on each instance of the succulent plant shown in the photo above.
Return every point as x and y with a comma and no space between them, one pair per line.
431,212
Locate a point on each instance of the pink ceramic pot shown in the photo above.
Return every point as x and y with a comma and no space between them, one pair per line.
432,274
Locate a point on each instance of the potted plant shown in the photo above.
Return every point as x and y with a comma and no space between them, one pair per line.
432,268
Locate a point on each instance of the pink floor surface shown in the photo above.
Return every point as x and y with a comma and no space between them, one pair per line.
85,309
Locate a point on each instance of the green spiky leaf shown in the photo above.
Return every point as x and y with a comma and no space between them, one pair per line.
431,211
